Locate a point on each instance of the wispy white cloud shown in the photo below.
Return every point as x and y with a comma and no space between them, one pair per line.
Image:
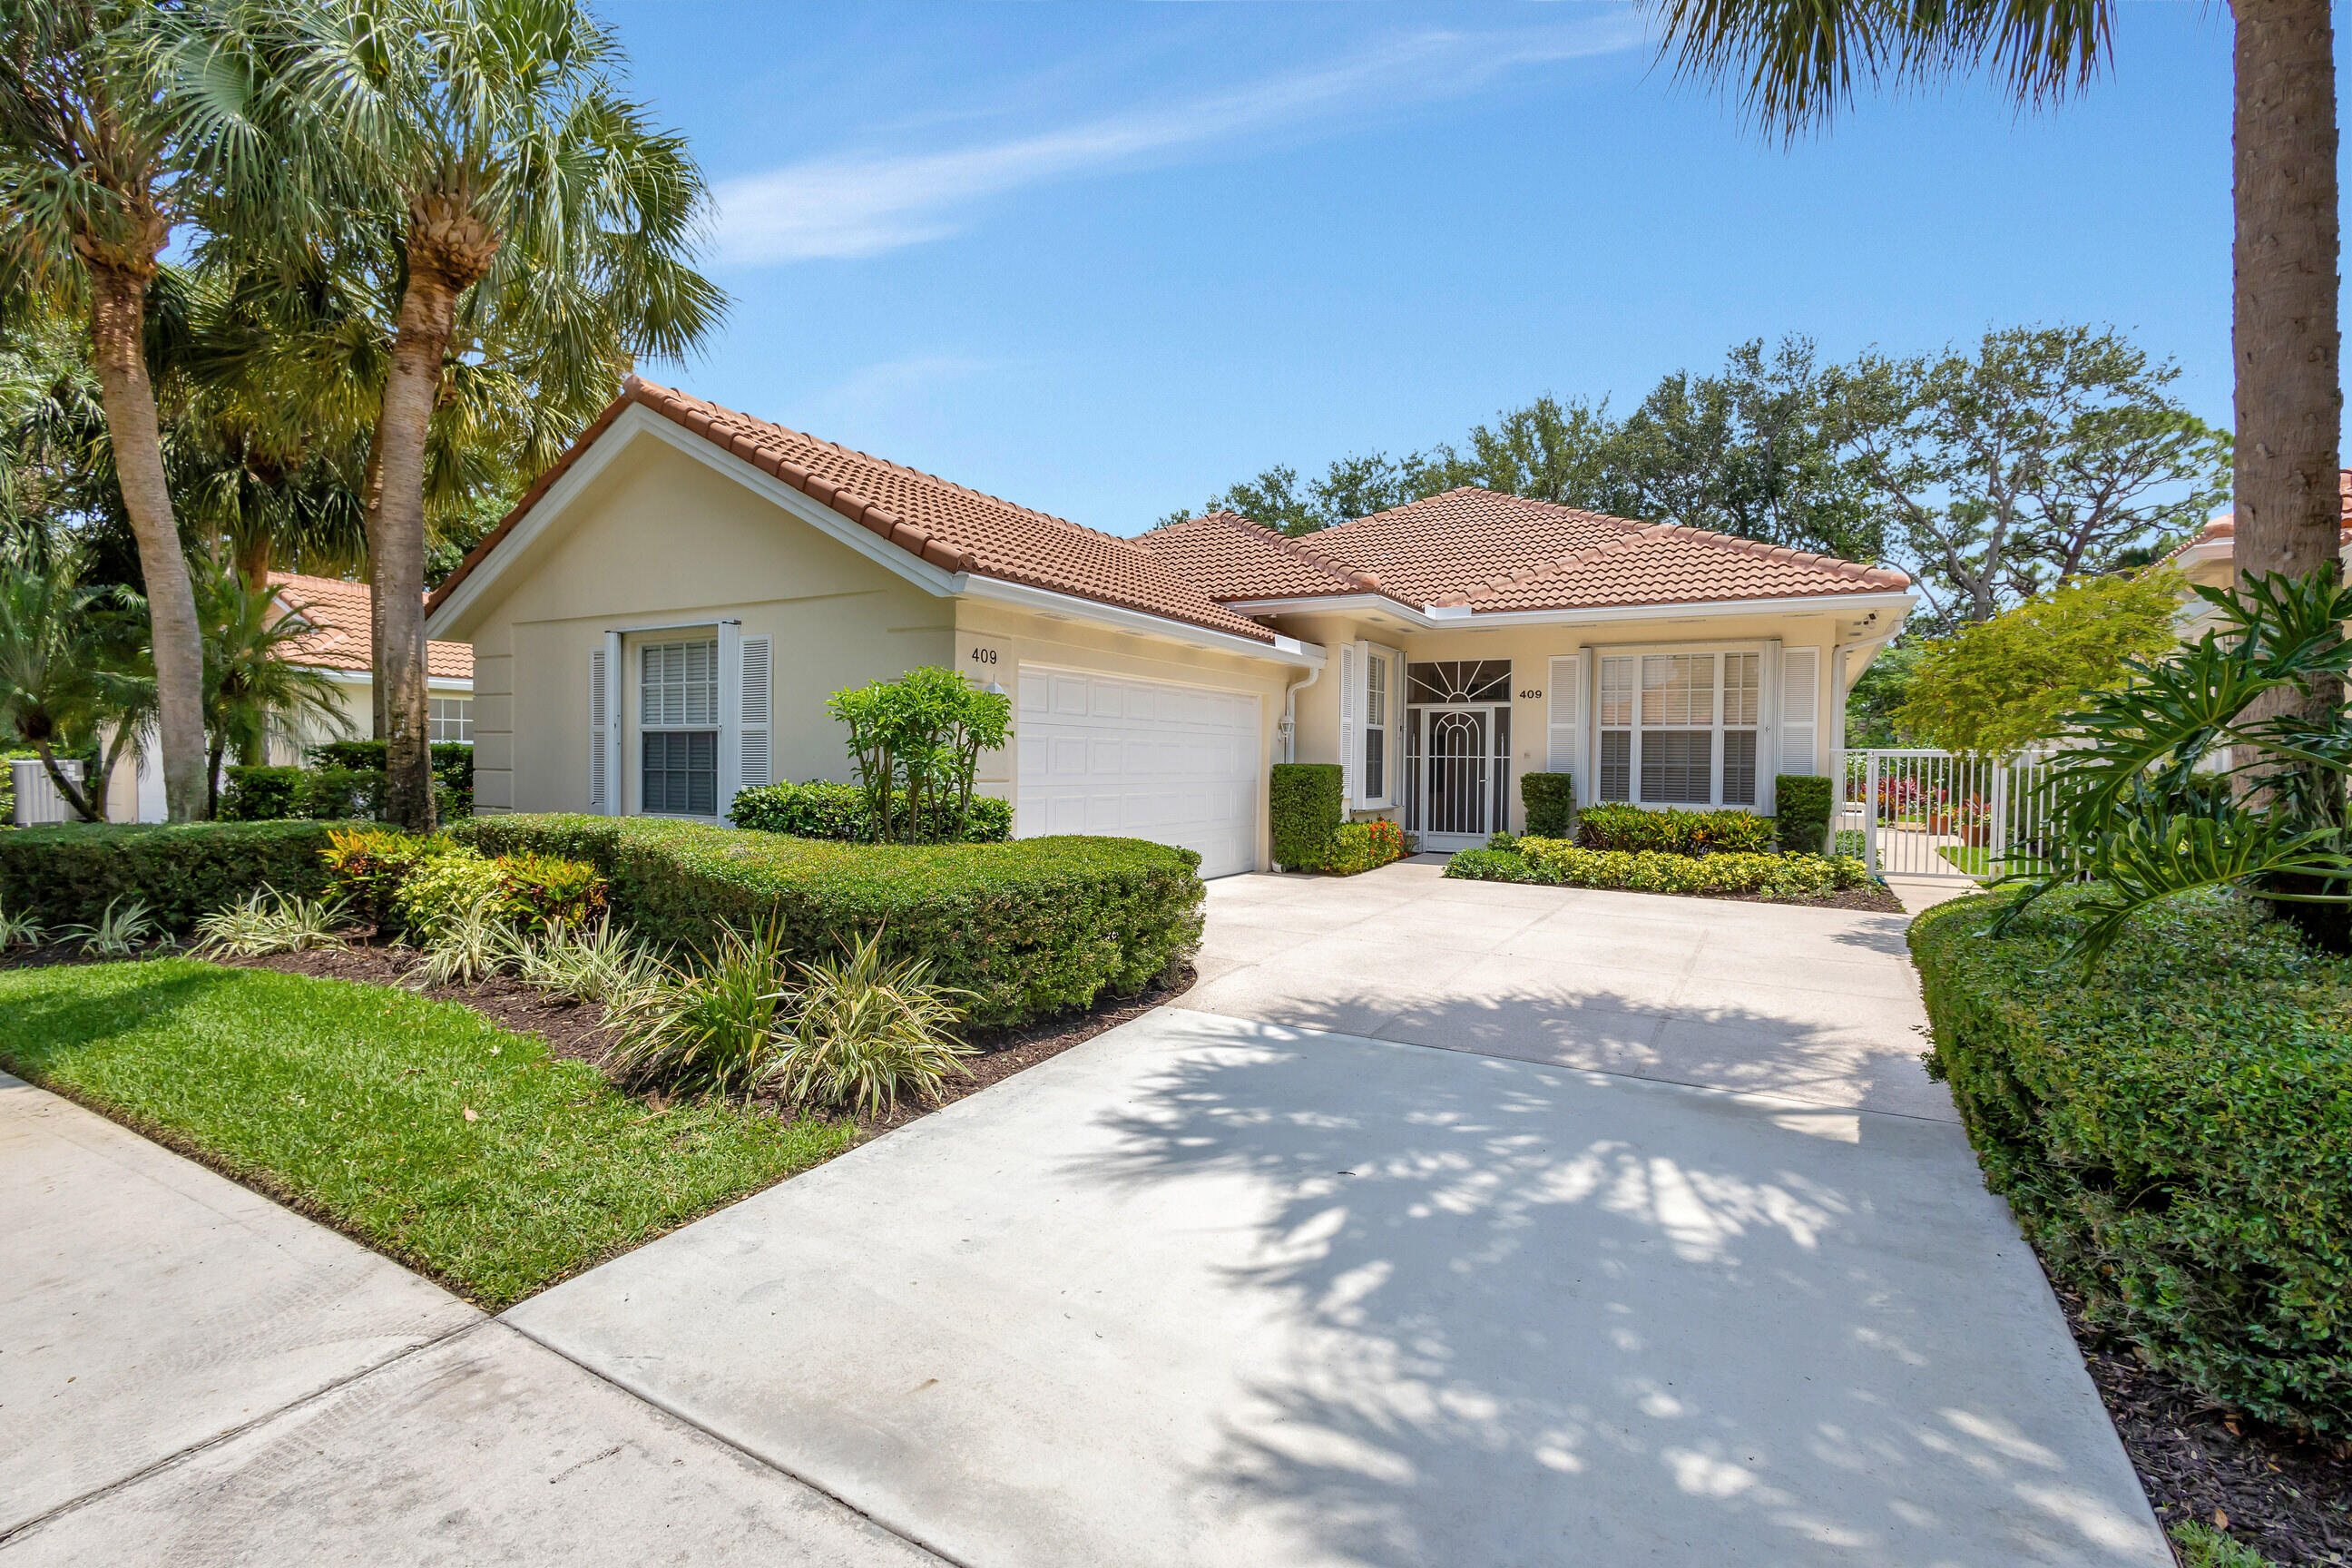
850,205
883,387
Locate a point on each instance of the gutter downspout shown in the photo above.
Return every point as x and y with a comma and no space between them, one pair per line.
1290,713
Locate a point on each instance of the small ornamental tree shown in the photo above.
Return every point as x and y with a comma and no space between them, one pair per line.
2008,682
917,742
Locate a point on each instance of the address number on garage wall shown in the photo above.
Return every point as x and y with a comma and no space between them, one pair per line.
983,656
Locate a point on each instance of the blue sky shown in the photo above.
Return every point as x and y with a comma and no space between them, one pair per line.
1103,260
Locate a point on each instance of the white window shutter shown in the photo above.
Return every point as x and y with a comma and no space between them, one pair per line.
1351,702
1801,705
759,723
1564,721
599,783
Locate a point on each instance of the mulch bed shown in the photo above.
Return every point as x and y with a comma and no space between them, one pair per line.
2288,1497
578,1032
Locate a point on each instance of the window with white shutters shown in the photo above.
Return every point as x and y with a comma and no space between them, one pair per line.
677,724
758,717
1680,727
1800,698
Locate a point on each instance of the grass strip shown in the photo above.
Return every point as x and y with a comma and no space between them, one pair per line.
417,1127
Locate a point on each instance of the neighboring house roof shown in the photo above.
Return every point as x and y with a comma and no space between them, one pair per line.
2224,528
1483,551
337,612
953,528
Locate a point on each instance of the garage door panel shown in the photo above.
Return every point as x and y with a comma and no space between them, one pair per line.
1145,759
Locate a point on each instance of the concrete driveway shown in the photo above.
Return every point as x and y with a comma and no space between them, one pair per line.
1215,1288
1816,1005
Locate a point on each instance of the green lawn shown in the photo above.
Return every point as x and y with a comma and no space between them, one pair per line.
351,1101
1976,860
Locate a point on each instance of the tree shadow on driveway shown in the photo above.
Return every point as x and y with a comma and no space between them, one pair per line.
1503,1313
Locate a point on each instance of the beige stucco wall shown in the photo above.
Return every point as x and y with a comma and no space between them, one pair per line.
661,538
1530,648
994,640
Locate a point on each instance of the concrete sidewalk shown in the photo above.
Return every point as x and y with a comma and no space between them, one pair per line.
190,1373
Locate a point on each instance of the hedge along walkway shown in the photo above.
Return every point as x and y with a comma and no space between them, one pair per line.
459,1148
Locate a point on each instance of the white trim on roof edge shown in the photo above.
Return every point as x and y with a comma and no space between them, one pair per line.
638,419
1281,650
1460,617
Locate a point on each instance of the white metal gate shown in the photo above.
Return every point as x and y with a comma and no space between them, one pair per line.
1914,812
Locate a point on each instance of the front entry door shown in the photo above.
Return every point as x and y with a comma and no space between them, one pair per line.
1462,759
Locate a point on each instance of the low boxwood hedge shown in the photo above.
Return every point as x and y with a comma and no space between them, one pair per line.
1030,927
1550,802
66,873
2173,1130
1617,825
1801,804
1565,865
820,810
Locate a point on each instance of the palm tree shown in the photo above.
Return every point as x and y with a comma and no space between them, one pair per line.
252,686
69,675
538,215
117,118
1798,59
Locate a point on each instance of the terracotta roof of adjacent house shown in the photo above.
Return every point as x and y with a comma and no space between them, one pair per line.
338,639
1491,552
953,528
2226,525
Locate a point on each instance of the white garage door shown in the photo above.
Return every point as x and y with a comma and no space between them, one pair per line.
1142,759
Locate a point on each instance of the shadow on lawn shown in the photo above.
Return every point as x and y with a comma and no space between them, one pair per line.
1537,1315
63,1019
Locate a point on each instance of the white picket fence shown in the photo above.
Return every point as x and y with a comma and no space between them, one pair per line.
1922,813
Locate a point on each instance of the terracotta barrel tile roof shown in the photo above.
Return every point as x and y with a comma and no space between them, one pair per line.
1492,551
1235,558
953,528
338,639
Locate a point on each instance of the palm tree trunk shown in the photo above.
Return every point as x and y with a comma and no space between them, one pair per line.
372,506
2285,331
396,545
118,323
253,561
2285,334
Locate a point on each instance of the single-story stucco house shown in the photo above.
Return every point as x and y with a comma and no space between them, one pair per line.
660,619
336,641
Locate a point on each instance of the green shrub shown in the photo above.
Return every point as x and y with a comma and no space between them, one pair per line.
1801,804
320,795
1029,927
1549,800
549,890
443,889
453,761
260,794
1303,809
66,873
2174,1132
1491,866
839,811
1617,825
1362,845
710,1025
1654,871
368,865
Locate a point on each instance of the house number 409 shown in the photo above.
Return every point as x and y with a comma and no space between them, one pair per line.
983,656
1530,696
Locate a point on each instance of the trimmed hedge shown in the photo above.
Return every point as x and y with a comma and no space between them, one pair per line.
1549,800
66,873
1303,811
1801,802
1564,865
320,795
1616,825
1030,927
2174,1132
820,810
453,760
